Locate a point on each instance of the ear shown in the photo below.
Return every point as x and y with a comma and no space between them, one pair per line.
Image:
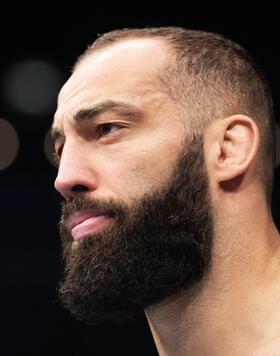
231,146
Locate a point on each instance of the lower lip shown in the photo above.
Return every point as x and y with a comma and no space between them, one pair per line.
89,226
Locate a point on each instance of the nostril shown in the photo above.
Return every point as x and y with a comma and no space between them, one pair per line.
79,188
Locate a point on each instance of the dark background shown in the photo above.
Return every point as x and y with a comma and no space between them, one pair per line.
32,320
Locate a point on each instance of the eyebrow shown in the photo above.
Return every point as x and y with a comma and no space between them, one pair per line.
108,106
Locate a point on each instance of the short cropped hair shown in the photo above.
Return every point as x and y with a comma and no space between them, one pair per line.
210,77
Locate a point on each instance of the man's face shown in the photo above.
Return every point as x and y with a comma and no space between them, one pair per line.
137,223
120,133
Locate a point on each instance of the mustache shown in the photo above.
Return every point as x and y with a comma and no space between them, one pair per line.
110,207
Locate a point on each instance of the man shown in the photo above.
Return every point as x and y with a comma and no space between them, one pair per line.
164,139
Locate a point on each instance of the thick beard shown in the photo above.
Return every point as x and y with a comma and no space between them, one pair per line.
152,250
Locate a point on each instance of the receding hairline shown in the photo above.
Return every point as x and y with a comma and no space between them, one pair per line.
159,75
92,50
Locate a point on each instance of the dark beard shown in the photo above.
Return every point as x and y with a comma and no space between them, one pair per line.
154,249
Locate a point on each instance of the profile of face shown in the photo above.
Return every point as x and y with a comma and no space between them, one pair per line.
136,224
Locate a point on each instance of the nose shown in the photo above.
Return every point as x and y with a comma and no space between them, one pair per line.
75,174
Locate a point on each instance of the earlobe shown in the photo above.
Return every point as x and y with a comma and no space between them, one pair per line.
238,147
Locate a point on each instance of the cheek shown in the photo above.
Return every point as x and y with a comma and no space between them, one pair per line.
132,175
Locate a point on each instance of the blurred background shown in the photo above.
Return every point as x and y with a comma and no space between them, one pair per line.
38,48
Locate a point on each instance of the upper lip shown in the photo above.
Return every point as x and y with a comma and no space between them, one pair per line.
80,216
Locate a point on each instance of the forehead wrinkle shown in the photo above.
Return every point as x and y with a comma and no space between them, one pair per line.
59,117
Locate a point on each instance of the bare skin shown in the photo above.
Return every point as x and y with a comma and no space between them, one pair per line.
236,311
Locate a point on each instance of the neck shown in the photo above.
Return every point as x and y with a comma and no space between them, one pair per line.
235,309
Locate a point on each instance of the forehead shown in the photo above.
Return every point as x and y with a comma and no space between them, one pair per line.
126,71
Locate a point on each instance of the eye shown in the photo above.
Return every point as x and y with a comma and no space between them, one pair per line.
57,154
58,151
107,129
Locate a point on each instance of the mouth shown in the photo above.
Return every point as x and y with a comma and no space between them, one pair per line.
86,222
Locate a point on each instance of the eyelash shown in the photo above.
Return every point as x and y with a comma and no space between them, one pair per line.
102,126
56,155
